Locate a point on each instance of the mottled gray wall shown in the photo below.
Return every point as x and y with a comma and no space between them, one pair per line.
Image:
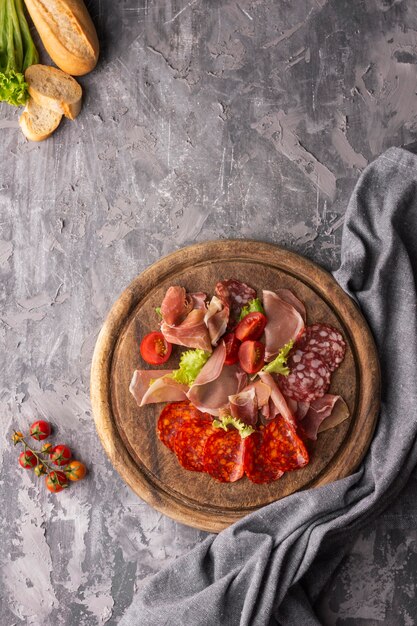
203,120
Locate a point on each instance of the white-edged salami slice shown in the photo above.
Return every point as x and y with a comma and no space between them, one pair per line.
235,295
325,341
309,377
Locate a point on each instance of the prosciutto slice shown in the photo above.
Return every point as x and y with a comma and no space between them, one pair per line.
163,389
324,413
216,319
263,392
192,332
199,300
284,323
176,305
215,383
278,400
290,298
244,406
269,410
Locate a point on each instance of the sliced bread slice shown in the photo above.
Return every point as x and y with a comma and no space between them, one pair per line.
54,90
38,123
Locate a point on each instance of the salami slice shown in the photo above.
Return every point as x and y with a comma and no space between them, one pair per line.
173,416
309,377
327,342
223,456
189,444
234,295
282,447
258,468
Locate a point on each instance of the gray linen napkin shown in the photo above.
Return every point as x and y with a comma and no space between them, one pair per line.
269,567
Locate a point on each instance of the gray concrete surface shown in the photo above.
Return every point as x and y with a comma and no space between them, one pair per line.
203,120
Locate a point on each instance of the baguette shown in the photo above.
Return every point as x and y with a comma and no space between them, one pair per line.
38,123
54,90
67,32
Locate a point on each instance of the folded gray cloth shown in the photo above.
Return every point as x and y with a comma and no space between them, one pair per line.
269,567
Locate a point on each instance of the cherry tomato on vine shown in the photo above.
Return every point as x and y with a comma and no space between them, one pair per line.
251,327
251,356
60,455
56,481
75,470
232,348
154,349
40,469
27,459
40,430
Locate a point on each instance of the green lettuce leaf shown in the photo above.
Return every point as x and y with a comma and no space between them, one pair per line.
227,420
13,88
279,364
158,311
17,52
253,306
191,363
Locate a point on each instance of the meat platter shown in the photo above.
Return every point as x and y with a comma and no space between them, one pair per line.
129,432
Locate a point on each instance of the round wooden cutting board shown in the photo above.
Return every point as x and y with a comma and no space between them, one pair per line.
128,433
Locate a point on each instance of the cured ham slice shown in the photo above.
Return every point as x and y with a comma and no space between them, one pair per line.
215,383
278,399
290,298
244,406
324,413
234,295
269,410
262,391
192,332
284,324
163,389
216,319
176,305
199,300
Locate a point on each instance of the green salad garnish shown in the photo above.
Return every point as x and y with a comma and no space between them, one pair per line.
191,364
228,420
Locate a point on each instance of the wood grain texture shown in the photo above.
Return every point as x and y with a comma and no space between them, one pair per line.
128,432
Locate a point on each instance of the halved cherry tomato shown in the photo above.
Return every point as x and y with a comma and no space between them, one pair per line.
154,349
251,356
251,327
232,348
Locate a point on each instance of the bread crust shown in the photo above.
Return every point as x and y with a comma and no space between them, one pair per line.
70,107
26,125
74,62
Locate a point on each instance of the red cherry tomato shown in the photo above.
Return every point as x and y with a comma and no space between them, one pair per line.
251,356
56,481
27,459
40,430
232,348
251,327
154,349
60,455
